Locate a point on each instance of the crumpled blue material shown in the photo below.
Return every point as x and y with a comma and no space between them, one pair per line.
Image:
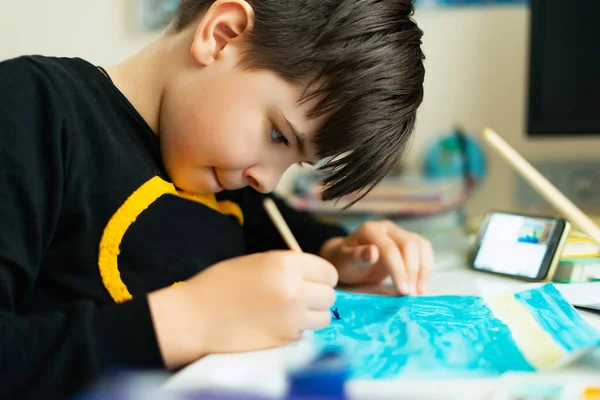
445,336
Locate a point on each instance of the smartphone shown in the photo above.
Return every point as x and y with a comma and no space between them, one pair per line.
526,247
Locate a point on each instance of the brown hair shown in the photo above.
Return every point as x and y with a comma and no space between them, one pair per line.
366,56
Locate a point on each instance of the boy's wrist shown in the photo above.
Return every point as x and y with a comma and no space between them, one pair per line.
178,330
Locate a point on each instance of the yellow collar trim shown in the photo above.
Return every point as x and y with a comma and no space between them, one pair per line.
126,215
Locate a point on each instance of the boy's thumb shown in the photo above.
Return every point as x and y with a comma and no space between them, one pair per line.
362,255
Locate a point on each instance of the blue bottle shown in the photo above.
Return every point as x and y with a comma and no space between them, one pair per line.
323,379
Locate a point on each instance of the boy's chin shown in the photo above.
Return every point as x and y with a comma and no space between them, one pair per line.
200,189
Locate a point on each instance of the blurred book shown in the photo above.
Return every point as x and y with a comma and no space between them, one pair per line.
579,261
393,196
578,269
579,245
430,207
575,248
442,227
445,190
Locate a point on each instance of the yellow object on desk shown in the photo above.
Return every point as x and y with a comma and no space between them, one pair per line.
579,261
591,393
577,247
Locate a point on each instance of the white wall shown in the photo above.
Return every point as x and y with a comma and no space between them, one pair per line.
102,32
476,70
477,76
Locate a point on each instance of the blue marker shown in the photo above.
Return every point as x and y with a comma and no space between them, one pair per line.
322,379
336,313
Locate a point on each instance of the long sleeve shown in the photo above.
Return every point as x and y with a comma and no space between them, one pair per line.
57,353
261,234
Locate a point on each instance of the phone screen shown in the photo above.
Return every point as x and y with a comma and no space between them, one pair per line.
518,245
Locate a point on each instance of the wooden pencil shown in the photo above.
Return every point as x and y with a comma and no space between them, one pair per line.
281,225
546,189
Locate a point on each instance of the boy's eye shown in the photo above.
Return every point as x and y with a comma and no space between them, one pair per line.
277,137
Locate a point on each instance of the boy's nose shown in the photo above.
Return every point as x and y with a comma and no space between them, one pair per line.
254,183
264,182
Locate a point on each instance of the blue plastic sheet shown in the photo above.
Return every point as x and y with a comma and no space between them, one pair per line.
456,336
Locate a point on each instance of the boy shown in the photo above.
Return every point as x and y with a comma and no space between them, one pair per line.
117,185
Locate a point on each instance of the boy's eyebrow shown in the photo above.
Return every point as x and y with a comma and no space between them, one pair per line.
299,137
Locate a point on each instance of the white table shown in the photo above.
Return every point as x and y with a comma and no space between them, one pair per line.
264,371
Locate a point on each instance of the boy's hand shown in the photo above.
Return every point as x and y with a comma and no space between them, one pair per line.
378,249
248,303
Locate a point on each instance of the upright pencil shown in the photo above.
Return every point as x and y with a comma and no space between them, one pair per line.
544,187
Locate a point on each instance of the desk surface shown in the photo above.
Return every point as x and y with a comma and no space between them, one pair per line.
264,371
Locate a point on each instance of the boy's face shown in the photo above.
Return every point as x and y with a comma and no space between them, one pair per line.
222,127
228,128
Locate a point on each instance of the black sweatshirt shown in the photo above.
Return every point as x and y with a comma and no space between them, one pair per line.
90,223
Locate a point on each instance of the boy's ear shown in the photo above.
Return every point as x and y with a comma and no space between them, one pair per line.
225,22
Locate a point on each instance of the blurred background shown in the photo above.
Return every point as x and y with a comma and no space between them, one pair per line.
477,75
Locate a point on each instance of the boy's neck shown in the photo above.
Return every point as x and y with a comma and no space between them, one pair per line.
143,77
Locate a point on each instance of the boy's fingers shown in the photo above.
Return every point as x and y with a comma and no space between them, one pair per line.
318,296
361,256
315,320
392,260
367,254
410,247
418,257
317,269
427,261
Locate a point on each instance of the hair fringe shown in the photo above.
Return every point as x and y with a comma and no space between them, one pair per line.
362,59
